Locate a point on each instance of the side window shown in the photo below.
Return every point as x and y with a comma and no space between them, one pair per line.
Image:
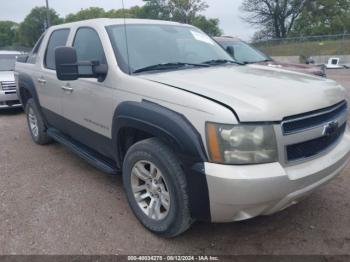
33,55
57,38
88,46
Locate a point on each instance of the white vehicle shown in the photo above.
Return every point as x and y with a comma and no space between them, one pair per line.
8,96
334,63
195,135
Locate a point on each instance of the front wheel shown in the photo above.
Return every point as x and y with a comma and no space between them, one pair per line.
156,188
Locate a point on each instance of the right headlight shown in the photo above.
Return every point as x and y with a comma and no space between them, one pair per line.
241,144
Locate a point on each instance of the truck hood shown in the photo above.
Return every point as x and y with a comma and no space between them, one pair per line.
7,76
256,93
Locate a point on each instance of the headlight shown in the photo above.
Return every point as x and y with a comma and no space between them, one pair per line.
241,144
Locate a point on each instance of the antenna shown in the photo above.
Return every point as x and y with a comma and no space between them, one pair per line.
48,18
126,38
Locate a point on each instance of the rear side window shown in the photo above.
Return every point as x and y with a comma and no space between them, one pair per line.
88,46
33,55
57,38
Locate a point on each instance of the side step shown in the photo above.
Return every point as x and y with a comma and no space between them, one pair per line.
93,158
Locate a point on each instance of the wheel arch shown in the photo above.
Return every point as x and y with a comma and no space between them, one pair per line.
26,89
154,120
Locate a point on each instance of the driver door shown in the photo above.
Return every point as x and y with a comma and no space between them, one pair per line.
86,101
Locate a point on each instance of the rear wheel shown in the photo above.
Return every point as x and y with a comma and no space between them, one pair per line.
156,188
36,124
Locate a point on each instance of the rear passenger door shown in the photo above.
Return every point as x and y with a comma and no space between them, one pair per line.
49,88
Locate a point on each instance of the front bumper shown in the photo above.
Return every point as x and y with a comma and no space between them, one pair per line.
9,99
243,192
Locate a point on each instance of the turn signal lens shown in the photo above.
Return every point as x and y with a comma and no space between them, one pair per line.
213,143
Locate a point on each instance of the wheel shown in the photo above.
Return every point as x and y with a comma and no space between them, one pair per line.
156,188
36,124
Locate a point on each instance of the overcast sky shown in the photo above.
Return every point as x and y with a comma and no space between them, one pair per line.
226,10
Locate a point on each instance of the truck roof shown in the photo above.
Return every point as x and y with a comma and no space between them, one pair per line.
116,21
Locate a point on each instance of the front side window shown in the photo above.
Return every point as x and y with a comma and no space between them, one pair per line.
245,53
7,62
139,46
57,38
88,45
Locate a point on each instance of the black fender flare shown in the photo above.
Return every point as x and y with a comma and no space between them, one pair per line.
177,131
161,122
25,81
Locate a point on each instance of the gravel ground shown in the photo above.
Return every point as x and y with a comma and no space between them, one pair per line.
52,202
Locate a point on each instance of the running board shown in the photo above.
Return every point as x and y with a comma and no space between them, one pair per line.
93,158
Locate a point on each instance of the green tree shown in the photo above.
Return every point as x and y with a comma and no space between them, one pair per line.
133,12
156,9
85,14
35,24
7,33
183,11
186,11
324,17
96,12
210,26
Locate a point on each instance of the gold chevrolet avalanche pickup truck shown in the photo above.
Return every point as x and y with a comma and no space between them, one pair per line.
195,134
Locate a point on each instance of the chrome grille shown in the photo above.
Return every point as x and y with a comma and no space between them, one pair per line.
305,121
309,135
315,146
8,85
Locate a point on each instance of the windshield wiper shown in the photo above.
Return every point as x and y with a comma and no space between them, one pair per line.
266,60
255,62
248,63
220,62
167,66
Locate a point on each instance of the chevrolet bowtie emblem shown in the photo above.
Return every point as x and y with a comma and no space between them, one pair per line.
330,128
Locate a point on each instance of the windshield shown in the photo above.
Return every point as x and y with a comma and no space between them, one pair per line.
245,53
150,45
7,62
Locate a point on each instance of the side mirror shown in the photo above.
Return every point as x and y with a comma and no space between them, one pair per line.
99,70
66,63
231,51
69,69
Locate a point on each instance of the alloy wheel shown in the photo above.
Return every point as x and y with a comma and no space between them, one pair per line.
33,122
150,190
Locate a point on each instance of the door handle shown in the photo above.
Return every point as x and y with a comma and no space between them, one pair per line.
67,88
42,81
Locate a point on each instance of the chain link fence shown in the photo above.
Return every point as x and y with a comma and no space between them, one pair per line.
319,47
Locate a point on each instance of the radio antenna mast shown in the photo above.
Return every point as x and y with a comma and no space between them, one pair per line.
126,37
48,18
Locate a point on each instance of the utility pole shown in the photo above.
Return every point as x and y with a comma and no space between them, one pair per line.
48,18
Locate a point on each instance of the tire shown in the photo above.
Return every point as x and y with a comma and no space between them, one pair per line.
174,220
36,124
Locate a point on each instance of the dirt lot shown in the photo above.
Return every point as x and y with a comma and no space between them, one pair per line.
52,202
